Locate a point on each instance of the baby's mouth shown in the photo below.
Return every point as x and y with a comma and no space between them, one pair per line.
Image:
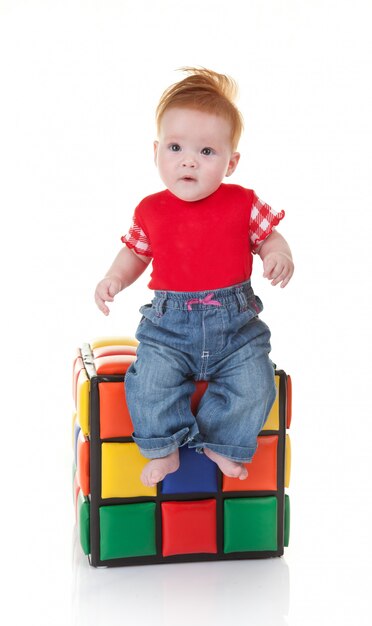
188,179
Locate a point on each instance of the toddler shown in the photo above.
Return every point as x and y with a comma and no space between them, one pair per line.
203,322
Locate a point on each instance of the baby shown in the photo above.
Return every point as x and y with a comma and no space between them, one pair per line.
203,322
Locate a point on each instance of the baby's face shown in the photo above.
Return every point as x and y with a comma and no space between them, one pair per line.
194,153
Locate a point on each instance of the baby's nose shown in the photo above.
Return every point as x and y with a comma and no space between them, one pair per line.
189,161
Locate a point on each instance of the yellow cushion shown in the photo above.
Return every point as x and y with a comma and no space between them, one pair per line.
272,422
82,401
122,464
113,341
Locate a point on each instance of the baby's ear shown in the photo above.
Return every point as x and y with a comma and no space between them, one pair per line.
156,145
233,163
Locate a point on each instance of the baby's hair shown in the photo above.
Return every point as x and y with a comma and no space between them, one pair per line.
204,90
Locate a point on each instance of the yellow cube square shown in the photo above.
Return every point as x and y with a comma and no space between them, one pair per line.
272,422
122,464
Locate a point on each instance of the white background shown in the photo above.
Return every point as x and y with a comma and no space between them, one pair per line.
79,84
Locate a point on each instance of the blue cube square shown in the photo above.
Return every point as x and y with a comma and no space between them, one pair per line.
196,474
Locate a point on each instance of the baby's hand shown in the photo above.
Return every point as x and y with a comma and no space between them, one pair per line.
278,267
105,292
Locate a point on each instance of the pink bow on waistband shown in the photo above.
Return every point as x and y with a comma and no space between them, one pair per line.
206,300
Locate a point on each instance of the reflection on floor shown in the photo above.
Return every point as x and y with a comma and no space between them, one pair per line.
174,594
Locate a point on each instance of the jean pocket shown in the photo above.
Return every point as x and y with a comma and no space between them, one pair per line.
249,312
148,312
255,305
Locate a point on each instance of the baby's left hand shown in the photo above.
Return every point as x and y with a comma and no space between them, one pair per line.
278,267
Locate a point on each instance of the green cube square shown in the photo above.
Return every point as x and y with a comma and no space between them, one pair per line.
127,530
250,524
287,520
83,520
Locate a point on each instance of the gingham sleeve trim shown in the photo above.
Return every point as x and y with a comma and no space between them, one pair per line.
137,240
263,221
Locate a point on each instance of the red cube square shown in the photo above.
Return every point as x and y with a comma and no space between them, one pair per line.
189,527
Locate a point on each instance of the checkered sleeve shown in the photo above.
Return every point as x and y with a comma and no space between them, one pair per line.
263,221
137,239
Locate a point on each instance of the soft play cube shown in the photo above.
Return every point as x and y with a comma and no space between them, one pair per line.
194,514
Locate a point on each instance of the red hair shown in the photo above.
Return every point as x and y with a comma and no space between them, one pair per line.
204,90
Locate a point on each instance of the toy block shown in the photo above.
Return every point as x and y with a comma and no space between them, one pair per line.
195,513
289,401
100,342
200,388
196,474
84,522
114,415
82,401
83,470
122,464
273,422
262,471
127,530
287,522
189,527
109,350
250,524
113,364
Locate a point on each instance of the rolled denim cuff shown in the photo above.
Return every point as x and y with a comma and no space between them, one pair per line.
238,454
158,447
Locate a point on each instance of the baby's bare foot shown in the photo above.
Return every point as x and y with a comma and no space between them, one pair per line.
157,469
227,467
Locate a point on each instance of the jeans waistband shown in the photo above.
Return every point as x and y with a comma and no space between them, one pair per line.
198,300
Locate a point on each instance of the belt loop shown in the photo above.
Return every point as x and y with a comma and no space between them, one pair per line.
242,300
159,303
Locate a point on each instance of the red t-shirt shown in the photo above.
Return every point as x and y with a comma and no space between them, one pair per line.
201,245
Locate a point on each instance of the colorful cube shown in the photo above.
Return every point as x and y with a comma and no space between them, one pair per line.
195,513
127,530
189,527
122,464
250,524
196,474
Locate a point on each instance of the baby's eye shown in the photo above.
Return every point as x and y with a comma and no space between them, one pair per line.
207,151
175,147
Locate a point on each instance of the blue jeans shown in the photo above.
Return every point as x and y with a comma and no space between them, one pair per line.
214,336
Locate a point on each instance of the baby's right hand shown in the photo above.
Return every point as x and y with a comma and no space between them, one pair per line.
106,289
